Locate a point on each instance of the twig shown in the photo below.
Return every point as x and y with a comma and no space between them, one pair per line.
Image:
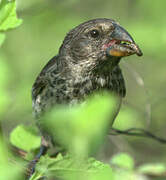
137,132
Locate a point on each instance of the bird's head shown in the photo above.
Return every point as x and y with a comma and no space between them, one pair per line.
97,41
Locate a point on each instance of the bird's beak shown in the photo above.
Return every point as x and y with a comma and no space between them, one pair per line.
122,44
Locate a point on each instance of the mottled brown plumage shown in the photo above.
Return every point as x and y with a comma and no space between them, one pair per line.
88,61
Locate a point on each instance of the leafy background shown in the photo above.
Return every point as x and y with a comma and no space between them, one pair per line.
28,47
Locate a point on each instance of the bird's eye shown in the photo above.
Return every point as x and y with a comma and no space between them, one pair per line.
94,33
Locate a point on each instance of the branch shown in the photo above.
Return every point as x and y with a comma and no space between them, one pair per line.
137,132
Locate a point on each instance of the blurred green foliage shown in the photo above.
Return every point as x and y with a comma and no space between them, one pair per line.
67,168
4,100
9,170
123,160
27,49
81,129
8,18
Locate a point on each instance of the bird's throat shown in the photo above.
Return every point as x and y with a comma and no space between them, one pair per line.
108,65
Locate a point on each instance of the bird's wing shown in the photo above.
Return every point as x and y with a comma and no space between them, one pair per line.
40,81
39,87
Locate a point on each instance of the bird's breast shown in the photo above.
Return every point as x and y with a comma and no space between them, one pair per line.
60,90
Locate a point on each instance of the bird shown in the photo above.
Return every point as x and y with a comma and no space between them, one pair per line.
87,62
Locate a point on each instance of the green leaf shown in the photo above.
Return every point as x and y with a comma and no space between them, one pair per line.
25,138
153,169
2,38
82,128
8,17
123,160
67,168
